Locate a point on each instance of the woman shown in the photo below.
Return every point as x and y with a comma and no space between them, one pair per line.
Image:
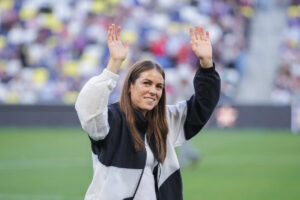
133,140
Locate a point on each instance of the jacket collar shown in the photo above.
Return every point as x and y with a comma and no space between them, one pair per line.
141,122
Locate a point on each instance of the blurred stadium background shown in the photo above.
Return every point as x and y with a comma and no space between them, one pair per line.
250,148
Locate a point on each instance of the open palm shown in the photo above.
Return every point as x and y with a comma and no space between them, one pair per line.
200,44
117,50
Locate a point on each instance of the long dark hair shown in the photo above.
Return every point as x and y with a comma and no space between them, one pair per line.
157,116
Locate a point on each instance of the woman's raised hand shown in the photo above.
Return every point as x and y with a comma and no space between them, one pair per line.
118,51
201,46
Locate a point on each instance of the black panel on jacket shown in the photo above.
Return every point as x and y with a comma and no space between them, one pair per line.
155,173
141,124
117,149
171,189
201,105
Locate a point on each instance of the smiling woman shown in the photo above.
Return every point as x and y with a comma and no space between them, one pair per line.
133,140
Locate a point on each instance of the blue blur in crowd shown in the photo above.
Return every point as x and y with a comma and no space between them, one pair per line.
286,88
49,49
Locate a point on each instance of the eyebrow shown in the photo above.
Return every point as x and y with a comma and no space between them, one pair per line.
145,79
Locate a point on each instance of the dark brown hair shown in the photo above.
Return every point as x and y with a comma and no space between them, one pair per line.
157,116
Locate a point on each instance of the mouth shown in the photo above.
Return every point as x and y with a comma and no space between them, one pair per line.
149,98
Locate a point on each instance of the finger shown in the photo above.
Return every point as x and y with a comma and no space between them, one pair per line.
113,32
197,32
126,44
207,35
192,34
118,32
109,34
202,33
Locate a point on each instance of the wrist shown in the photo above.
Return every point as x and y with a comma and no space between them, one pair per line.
206,63
114,65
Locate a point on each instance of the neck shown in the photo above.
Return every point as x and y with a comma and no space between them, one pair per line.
143,112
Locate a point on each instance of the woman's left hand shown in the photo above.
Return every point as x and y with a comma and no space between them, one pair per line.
201,46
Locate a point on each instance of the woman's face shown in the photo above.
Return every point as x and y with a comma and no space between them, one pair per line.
146,92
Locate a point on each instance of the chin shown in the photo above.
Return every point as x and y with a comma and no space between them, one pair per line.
148,108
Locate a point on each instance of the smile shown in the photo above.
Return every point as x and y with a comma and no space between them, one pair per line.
149,98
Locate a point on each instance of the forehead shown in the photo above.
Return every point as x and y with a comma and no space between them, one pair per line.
153,75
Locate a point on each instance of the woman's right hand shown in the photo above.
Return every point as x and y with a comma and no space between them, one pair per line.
118,51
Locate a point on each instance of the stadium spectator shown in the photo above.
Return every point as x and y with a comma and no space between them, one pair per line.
49,48
287,81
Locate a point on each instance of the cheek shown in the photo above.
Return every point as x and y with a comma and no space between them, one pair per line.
159,95
136,94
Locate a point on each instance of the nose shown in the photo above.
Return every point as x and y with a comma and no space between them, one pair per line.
152,90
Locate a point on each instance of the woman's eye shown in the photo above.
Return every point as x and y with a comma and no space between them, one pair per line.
147,83
159,86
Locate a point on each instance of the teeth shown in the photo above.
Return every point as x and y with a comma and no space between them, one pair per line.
149,98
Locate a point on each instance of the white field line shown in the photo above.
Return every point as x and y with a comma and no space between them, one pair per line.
281,160
38,163
36,197
42,163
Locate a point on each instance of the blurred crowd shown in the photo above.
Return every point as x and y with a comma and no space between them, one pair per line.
287,81
49,49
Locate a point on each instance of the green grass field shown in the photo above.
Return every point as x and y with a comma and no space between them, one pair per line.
55,164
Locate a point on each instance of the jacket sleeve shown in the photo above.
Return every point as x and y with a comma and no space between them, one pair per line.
91,104
187,118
